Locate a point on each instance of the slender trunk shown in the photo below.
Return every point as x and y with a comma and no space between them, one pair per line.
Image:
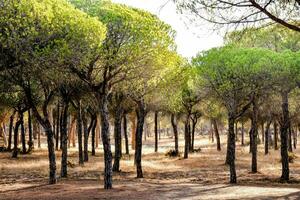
175,130
262,132
11,124
39,136
93,136
125,133
16,130
79,133
295,137
156,131
97,135
236,131
118,137
267,132
194,123
30,142
51,152
105,134
186,137
254,127
133,129
251,137
275,125
284,137
23,139
57,126
215,126
290,145
141,113
243,135
85,137
231,121
64,140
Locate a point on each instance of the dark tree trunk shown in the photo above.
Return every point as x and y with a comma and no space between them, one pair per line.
118,138
125,133
51,152
262,132
175,130
93,136
215,125
231,148
243,135
186,137
30,142
236,131
64,140
251,137
106,141
85,137
275,125
190,136
23,139
141,113
79,133
295,137
16,130
290,145
57,126
156,131
267,132
254,134
284,137
194,123
11,124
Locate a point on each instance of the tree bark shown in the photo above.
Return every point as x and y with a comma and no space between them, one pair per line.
64,140
105,134
16,130
57,126
254,128
243,135
93,136
79,133
275,126
186,137
175,130
125,134
156,131
231,148
215,125
23,139
133,130
141,113
284,137
118,138
85,137
290,145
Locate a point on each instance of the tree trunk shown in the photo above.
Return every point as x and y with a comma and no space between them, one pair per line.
295,137
105,134
231,148
133,130
79,133
23,139
118,137
243,135
64,140
186,137
141,113
267,132
125,134
175,130
85,137
254,128
290,145
11,124
16,130
155,131
236,131
194,123
284,137
275,125
30,143
57,126
262,131
215,125
51,152
93,136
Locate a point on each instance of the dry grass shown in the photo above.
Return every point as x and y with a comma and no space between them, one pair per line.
165,178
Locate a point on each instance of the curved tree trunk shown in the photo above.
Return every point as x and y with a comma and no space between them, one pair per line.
215,125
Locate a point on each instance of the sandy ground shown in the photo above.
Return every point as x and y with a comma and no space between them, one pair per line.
202,176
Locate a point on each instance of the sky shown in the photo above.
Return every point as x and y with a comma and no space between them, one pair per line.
190,39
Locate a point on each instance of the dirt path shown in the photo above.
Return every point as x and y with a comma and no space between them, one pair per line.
202,176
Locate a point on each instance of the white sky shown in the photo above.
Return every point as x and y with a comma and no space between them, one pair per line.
190,39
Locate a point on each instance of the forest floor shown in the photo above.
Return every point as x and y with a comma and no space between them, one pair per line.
202,176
